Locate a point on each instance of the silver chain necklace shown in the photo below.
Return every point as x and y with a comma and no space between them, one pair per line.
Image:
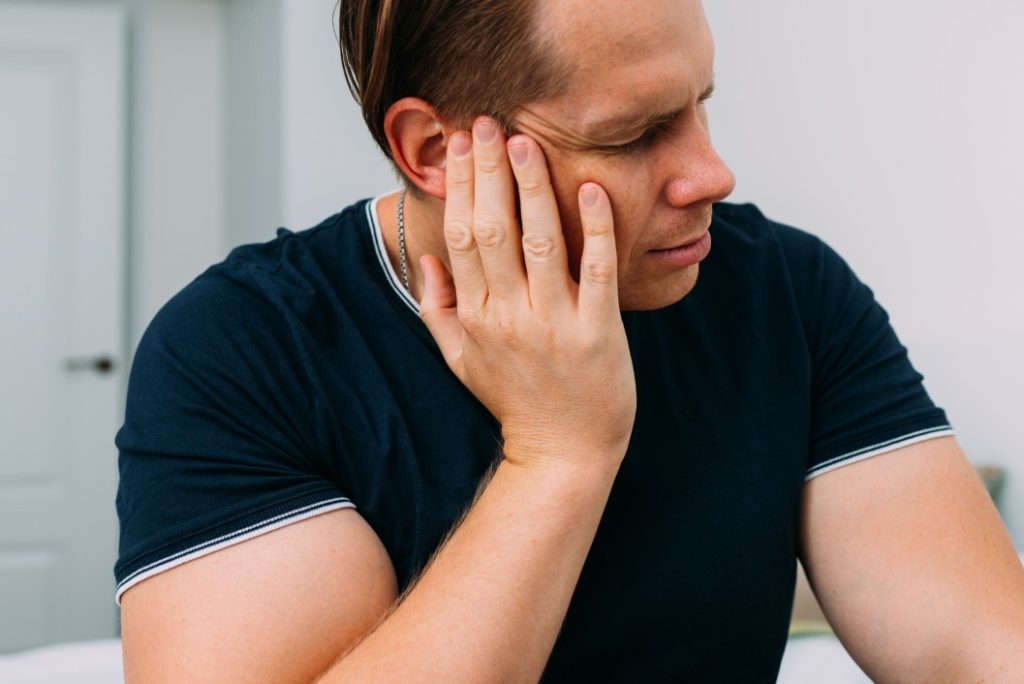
403,266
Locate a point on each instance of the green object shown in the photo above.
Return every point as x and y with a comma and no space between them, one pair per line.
993,478
809,628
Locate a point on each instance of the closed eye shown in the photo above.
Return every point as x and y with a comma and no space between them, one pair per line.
649,136
639,144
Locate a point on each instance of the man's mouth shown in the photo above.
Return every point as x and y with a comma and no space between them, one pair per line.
686,254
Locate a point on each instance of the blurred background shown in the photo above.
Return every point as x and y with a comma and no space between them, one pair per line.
140,140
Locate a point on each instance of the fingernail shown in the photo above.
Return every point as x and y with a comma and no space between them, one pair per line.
461,144
589,193
485,131
518,152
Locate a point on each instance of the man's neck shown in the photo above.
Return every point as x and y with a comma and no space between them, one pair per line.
423,234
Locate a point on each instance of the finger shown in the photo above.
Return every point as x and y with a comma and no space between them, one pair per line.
438,310
547,267
494,214
598,294
463,256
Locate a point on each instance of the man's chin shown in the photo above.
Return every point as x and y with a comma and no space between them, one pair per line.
648,296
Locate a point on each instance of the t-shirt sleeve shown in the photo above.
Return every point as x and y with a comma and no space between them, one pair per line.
867,398
219,442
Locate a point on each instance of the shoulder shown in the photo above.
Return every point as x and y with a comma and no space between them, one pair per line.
259,323
756,243
754,252
267,284
746,224
778,265
296,262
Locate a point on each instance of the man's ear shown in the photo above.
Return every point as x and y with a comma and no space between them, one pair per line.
419,143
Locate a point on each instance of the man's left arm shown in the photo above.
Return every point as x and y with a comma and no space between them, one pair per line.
914,568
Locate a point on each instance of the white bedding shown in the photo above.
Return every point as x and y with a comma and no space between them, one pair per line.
811,659
85,662
808,660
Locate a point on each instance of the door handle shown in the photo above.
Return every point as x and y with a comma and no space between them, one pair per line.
100,364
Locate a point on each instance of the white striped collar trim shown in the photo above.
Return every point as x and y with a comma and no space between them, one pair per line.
230,539
382,256
877,449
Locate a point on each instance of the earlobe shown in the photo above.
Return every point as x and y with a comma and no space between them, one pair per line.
419,141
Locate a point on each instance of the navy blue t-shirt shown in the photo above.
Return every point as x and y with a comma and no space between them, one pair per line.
296,378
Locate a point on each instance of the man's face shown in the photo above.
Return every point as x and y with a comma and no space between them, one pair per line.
633,120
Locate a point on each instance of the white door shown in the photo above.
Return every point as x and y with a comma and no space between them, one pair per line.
62,149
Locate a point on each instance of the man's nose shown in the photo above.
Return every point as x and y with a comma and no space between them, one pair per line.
699,175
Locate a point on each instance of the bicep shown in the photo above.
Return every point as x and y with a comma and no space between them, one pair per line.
907,556
277,608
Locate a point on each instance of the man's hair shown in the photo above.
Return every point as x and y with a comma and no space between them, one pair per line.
466,58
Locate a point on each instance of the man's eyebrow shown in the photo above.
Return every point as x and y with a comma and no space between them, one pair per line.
627,123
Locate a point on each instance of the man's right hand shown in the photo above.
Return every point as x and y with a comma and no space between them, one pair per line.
547,356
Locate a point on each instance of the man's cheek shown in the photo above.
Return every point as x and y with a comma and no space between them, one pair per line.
629,215
566,183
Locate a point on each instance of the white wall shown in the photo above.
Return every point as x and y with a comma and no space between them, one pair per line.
330,159
176,223
893,131
241,123
253,123
298,150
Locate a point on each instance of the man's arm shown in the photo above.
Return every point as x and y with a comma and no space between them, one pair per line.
283,607
550,360
277,608
914,568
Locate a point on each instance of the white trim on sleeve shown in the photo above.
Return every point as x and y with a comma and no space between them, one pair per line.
230,539
880,448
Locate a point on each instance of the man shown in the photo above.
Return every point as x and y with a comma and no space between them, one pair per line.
420,442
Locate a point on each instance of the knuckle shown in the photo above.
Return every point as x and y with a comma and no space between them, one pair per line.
488,231
598,272
487,165
597,228
458,235
468,317
506,328
538,246
532,188
458,180
593,343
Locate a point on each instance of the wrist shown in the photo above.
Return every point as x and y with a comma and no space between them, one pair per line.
561,461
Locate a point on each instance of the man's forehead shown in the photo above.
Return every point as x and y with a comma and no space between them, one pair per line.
589,33
629,62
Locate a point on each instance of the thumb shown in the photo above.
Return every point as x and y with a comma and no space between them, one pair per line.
438,285
438,311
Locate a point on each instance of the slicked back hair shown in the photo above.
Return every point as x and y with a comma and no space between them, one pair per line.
466,58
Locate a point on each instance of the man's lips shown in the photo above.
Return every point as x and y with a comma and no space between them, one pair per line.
687,254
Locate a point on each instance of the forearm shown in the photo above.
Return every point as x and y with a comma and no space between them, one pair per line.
990,653
549,358
489,607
